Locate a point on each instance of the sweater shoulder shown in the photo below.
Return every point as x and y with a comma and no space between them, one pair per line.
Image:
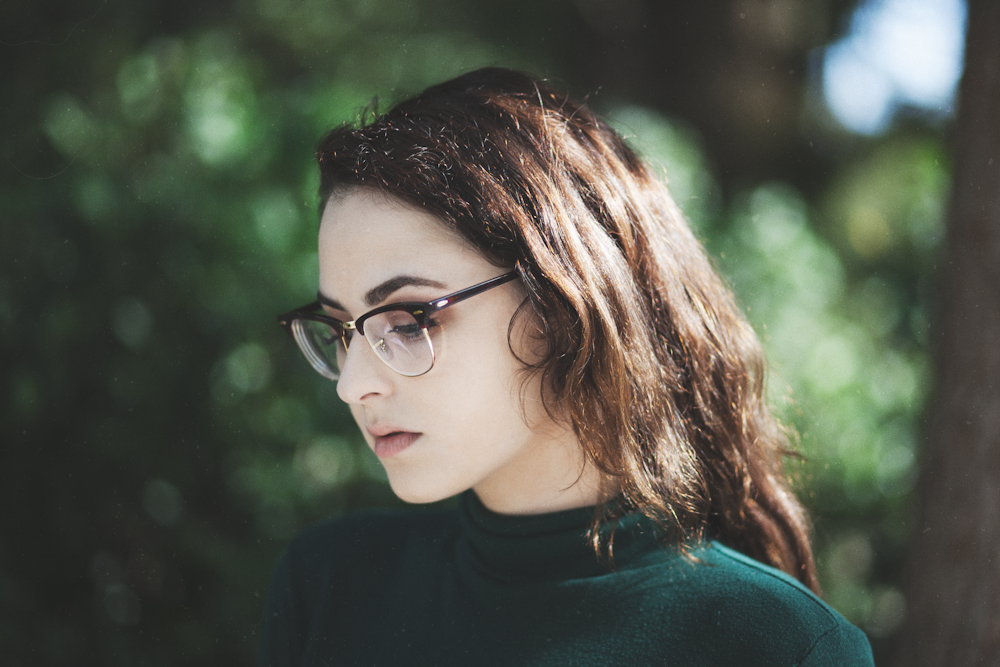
759,605
347,555
733,571
338,559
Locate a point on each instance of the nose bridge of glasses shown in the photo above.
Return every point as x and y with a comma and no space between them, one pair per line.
351,353
364,374
344,328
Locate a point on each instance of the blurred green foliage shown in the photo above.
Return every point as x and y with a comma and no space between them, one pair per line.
161,437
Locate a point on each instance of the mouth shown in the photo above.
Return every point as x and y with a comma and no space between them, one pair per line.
393,443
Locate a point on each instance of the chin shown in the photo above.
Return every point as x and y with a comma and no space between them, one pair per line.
421,492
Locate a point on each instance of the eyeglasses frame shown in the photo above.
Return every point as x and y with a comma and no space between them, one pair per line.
421,311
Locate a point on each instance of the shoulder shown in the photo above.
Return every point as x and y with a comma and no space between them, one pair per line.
758,608
731,575
342,558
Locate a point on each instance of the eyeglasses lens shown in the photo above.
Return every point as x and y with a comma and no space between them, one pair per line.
321,345
395,336
400,341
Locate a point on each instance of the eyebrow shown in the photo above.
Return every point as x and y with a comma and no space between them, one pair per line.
381,292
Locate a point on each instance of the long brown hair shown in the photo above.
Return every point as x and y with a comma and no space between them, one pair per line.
648,357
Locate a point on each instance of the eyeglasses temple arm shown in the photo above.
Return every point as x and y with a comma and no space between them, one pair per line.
469,292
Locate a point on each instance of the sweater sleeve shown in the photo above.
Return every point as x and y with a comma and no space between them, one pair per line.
842,646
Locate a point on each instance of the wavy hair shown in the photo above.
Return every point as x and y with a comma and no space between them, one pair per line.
647,356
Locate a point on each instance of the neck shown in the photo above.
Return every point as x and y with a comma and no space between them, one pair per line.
557,477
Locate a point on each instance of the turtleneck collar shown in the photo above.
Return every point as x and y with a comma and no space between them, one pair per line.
547,546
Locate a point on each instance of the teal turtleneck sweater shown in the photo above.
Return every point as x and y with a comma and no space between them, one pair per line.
471,587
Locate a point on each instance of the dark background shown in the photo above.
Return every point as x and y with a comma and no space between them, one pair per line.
161,439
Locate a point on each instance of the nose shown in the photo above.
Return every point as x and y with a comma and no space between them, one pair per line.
363,376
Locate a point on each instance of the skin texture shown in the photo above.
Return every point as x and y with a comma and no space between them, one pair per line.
480,420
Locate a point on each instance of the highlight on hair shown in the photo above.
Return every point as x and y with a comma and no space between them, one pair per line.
647,356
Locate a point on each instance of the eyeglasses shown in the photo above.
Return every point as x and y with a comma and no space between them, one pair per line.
398,332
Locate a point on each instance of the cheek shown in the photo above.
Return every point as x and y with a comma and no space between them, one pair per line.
501,393
473,388
491,368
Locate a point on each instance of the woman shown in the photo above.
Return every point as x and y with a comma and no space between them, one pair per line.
515,311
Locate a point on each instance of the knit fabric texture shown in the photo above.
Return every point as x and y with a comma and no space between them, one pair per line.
472,587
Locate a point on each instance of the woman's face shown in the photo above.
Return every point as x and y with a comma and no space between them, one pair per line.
474,420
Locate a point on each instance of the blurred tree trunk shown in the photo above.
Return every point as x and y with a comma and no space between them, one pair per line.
954,570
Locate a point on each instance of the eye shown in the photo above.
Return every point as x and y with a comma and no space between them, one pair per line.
409,330
396,324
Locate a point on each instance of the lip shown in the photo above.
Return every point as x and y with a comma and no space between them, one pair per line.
391,440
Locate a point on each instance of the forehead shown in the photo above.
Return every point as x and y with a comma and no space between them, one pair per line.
361,212
366,238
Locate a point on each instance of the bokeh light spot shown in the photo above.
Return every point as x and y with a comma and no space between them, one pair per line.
162,502
868,232
887,613
833,364
897,52
139,87
71,128
275,218
122,605
219,103
324,462
132,322
248,368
